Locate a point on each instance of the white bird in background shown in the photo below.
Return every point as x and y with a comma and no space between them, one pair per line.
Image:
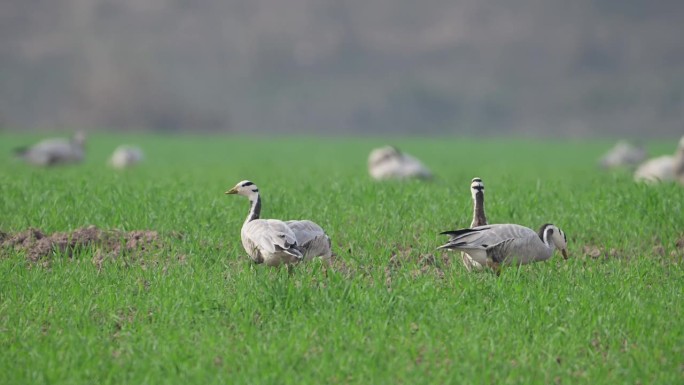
126,156
664,168
623,154
52,152
274,242
492,245
479,219
390,163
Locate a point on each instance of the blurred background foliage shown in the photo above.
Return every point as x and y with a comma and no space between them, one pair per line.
582,68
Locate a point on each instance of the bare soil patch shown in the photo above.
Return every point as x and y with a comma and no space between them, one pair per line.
38,246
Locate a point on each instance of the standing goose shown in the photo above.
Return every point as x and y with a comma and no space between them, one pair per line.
268,241
51,152
479,219
492,245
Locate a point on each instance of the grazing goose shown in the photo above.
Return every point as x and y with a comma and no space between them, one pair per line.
623,154
126,156
492,245
268,241
312,241
390,163
51,152
479,219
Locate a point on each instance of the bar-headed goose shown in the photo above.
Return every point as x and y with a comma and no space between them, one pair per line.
268,241
492,245
52,152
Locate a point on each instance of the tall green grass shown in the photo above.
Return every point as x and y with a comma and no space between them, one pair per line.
200,312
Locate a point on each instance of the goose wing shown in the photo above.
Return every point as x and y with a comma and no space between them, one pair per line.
305,231
521,250
271,235
312,239
487,235
47,152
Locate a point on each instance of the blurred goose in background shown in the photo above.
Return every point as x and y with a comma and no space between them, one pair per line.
390,163
656,170
663,168
268,241
623,154
479,219
126,156
492,245
56,151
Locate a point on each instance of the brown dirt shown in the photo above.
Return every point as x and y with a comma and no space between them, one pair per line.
680,243
38,246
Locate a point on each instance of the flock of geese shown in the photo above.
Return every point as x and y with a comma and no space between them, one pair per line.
274,242
665,168
58,151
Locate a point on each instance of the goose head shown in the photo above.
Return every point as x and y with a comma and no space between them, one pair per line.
245,188
552,236
476,187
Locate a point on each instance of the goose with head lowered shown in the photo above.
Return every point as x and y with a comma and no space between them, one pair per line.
492,245
274,242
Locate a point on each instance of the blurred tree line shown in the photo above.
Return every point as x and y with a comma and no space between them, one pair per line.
572,68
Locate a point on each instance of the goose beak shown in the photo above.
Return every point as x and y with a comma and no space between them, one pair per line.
232,191
565,253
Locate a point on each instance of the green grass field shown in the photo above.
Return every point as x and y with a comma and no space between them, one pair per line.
197,311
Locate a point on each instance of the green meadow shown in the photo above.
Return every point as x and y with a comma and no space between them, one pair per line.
391,310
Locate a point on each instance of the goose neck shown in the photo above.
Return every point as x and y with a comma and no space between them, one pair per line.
479,217
254,208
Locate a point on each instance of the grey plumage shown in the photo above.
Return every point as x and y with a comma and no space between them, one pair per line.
312,240
507,243
267,241
274,242
52,152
